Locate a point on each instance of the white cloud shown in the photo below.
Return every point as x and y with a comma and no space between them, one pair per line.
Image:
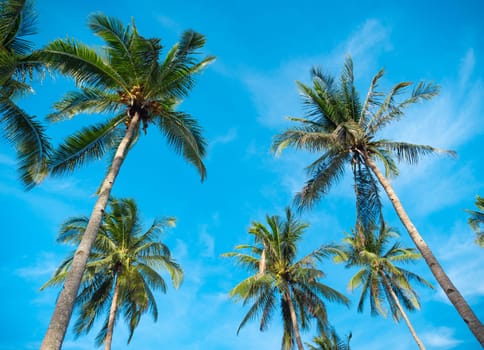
463,261
169,23
229,136
466,67
275,94
440,338
44,266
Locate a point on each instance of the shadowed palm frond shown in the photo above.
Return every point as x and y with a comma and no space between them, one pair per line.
90,143
327,171
411,153
185,135
29,138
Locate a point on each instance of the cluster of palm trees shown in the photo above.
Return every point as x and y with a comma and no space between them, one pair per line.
114,266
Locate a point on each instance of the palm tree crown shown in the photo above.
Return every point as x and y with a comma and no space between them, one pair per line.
277,273
375,258
344,129
124,261
17,21
380,278
132,84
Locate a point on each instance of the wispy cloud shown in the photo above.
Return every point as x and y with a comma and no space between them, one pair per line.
169,23
463,260
440,338
43,267
274,93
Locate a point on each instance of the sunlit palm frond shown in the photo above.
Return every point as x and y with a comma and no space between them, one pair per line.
84,100
82,63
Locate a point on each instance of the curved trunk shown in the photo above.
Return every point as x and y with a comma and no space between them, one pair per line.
65,303
402,311
112,317
295,325
444,281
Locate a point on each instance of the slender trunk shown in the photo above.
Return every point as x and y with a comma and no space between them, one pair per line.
112,316
262,262
295,325
446,284
65,303
402,311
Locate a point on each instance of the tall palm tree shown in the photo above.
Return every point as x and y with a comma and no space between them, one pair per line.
379,276
278,274
132,84
330,340
344,130
476,220
120,274
23,131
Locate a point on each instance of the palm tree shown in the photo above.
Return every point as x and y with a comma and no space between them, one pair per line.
344,130
23,131
120,274
476,220
330,340
379,277
131,83
277,274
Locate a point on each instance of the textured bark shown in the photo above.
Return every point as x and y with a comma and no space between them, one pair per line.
65,303
402,311
444,281
295,325
112,317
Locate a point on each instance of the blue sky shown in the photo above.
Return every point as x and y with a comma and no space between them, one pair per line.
241,100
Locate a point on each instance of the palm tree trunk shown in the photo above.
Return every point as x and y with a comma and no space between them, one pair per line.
295,325
446,284
262,262
112,316
65,303
402,311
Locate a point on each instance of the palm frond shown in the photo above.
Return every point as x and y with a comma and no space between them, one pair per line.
372,100
85,100
89,143
389,111
17,20
411,153
185,135
329,169
82,63
29,139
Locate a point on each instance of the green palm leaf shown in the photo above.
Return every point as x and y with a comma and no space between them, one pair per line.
90,143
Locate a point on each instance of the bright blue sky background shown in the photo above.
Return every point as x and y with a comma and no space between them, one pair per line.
241,100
